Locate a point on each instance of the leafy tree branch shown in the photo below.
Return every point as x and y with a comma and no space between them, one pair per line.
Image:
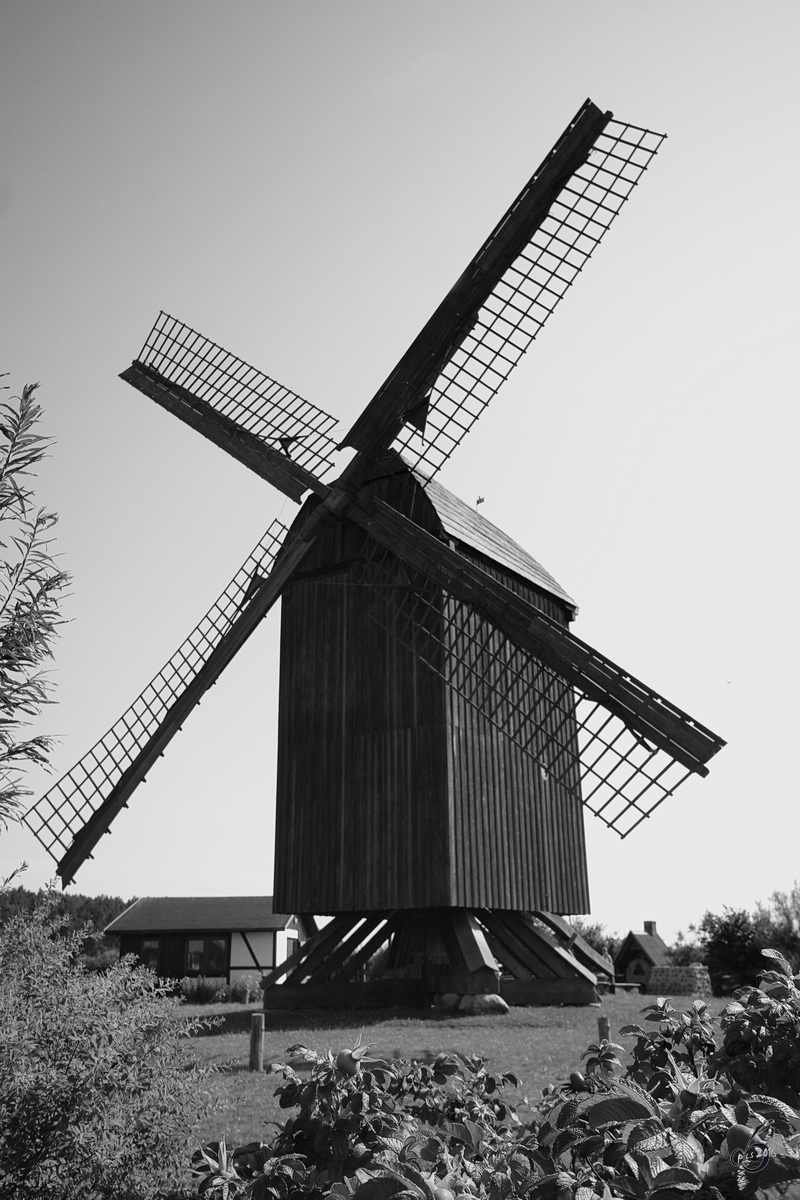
31,589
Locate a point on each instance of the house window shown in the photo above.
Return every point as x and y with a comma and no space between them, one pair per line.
148,954
292,942
207,956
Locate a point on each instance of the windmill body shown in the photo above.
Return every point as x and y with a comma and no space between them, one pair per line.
394,790
441,726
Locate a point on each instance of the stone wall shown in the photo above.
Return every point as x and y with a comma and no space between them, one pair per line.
679,981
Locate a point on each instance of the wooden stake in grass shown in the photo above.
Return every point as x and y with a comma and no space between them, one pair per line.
257,1041
603,1030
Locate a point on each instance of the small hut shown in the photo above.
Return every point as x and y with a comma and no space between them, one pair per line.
218,937
639,953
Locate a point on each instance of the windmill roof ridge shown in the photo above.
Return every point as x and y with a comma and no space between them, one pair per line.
476,531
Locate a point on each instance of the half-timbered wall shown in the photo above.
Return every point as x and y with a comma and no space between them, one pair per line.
166,952
251,954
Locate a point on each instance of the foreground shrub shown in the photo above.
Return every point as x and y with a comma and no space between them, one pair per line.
707,1107
96,1098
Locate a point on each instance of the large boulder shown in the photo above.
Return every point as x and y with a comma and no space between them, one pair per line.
463,981
483,1002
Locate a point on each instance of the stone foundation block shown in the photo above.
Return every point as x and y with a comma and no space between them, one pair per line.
693,980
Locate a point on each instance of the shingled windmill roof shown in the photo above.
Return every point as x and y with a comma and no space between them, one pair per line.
466,525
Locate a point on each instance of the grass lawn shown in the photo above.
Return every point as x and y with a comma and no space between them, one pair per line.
540,1045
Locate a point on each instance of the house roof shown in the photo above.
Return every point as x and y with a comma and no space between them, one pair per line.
644,945
209,914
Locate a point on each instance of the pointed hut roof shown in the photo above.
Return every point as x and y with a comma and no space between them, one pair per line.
649,946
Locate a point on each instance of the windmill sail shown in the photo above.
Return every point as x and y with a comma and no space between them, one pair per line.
573,738
583,720
642,711
73,815
265,425
276,468
507,294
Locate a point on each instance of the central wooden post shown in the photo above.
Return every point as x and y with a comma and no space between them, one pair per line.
257,1041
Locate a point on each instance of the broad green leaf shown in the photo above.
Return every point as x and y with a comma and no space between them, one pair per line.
638,1093
466,1131
551,1186
686,1148
615,1110
421,1184
776,955
567,1114
647,1136
384,1187
675,1179
775,1110
565,1139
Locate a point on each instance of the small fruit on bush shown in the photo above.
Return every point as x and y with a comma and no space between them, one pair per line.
347,1062
443,1193
738,1136
577,1081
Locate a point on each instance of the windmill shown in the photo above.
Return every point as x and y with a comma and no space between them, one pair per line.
441,728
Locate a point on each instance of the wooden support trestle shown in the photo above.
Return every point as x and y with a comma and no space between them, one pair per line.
406,957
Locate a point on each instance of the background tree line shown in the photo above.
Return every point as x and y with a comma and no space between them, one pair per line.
73,913
728,943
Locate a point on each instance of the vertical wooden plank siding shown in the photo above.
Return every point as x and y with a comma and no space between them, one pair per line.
519,835
361,819
393,791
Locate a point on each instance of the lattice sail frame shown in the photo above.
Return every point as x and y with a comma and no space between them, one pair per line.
240,392
530,291
63,811
622,777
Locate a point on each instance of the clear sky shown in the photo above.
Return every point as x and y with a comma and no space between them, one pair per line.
303,182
